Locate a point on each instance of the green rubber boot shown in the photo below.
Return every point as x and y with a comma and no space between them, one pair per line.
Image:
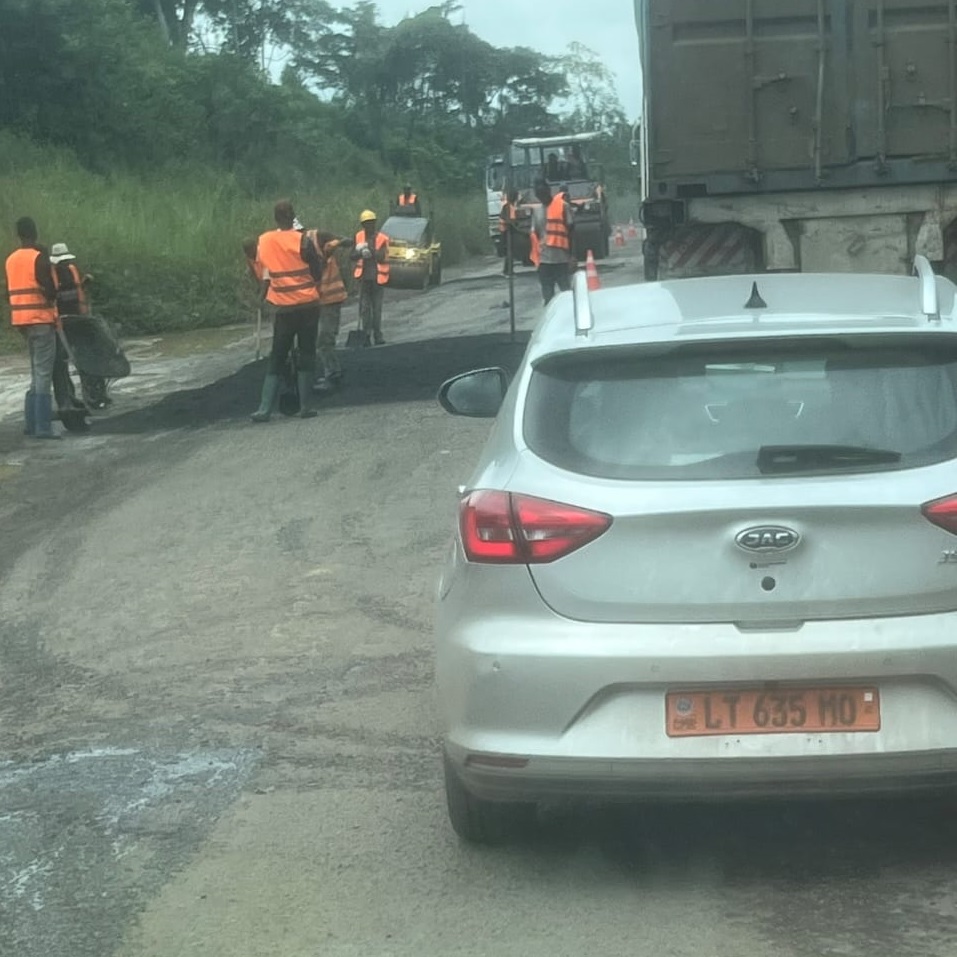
29,414
43,413
306,409
268,401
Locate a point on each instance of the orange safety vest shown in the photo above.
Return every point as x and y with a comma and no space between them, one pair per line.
535,255
290,281
508,215
556,228
28,302
381,241
332,289
70,301
411,200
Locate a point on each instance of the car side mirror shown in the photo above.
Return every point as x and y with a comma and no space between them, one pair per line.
478,394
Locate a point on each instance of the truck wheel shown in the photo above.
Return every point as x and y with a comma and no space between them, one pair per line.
484,822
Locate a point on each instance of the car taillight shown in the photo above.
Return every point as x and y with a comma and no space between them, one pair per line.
506,529
943,513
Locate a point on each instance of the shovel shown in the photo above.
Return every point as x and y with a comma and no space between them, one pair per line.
358,338
75,419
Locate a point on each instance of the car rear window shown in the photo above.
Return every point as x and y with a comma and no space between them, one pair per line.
736,410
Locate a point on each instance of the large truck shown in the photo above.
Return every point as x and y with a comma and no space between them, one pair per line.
798,135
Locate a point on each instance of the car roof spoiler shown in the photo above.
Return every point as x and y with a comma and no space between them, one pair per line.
584,317
929,302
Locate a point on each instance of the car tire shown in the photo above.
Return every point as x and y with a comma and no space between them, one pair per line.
477,821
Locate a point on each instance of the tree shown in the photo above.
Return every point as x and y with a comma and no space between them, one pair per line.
173,17
593,100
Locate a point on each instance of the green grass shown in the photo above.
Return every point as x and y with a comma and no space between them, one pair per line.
166,252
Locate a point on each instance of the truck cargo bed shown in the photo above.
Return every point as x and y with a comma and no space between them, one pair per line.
753,96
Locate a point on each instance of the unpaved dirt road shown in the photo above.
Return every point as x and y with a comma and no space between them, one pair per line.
217,723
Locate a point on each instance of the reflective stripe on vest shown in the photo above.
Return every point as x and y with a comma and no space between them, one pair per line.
72,299
381,242
28,301
411,201
332,289
290,281
556,229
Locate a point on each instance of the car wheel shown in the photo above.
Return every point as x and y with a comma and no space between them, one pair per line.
484,822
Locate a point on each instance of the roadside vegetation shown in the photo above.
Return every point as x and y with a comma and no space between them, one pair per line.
154,135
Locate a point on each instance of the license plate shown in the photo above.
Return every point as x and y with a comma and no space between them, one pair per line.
783,711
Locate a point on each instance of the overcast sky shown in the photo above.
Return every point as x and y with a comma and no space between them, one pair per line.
607,26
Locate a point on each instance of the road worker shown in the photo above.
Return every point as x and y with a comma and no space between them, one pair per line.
553,168
32,296
408,201
332,294
72,299
292,267
371,256
552,223
508,221
577,168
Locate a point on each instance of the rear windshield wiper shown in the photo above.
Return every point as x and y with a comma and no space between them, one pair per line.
781,459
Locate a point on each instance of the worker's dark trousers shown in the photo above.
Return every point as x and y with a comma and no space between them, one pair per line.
551,275
299,324
330,315
371,295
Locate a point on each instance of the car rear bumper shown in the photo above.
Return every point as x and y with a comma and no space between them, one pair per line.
709,779
584,704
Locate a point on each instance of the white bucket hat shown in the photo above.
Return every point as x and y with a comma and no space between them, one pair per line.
60,254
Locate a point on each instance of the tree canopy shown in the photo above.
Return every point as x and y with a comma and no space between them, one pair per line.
282,92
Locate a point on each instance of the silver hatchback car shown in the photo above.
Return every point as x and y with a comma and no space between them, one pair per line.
709,549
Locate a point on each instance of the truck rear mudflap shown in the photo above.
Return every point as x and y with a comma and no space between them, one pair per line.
862,230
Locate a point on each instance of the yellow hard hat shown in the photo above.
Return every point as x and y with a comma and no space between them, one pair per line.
367,216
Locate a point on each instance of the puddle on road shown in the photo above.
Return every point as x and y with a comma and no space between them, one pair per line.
159,363
177,345
86,838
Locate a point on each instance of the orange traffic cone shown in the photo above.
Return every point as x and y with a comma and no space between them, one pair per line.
632,230
591,273
619,236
